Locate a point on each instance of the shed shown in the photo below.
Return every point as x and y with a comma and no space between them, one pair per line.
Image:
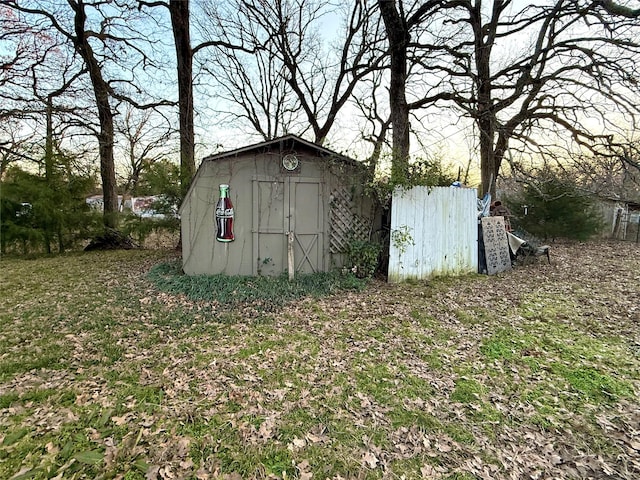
288,195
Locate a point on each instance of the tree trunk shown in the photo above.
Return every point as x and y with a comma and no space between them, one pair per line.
105,116
398,35
48,161
484,112
48,151
179,10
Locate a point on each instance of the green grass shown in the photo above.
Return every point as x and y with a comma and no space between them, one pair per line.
594,385
113,365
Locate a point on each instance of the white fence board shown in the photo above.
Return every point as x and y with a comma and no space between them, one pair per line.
434,231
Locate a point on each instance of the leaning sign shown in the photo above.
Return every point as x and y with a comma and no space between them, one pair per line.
434,231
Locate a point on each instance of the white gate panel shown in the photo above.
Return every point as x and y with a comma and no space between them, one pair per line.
434,231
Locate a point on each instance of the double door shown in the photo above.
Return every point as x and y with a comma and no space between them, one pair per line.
284,206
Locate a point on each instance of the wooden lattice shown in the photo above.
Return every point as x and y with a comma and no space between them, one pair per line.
345,224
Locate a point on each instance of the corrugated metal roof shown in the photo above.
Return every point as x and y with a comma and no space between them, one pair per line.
434,231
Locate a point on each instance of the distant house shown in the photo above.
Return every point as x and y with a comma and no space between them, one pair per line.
96,202
146,207
140,206
621,219
295,205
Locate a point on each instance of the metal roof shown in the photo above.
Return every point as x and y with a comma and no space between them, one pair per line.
275,141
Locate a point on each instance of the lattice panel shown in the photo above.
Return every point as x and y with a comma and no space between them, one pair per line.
345,225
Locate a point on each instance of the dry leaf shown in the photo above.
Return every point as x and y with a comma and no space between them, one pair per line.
370,460
266,428
119,421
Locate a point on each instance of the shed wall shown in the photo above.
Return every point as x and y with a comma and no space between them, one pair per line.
434,231
267,204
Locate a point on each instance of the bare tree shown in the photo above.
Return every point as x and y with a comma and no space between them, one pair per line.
144,143
180,15
179,12
252,91
398,29
406,28
40,82
180,23
297,82
15,145
104,44
578,62
375,120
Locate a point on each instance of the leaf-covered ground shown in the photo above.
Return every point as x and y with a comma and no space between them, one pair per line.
533,373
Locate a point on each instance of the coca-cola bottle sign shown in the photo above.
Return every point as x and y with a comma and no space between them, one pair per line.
224,216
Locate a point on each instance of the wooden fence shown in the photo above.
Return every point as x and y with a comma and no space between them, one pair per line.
434,231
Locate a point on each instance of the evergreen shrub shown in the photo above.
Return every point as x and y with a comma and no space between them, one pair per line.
555,207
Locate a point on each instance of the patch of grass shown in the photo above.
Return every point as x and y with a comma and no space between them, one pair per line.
148,397
433,358
278,462
459,433
391,370
495,349
467,391
461,476
402,417
17,445
546,307
40,395
52,357
411,467
475,316
594,385
376,380
111,350
9,399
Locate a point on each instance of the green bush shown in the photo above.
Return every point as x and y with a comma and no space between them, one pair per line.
40,214
362,258
258,294
556,208
139,228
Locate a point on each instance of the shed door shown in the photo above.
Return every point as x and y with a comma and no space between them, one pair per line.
306,215
282,205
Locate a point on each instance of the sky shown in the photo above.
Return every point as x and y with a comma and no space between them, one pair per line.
443,133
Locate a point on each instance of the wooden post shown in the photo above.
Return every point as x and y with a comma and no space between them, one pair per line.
290,260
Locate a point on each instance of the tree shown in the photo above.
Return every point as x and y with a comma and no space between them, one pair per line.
15,146
144,144
253,92
36,81
180,23
405,33
106,46
376,120
556,207
39,213
179,12
398,30
303,84
575,64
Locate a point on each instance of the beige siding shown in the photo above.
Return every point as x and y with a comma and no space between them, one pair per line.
268,203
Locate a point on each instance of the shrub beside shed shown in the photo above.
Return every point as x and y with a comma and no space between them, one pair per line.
295,203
